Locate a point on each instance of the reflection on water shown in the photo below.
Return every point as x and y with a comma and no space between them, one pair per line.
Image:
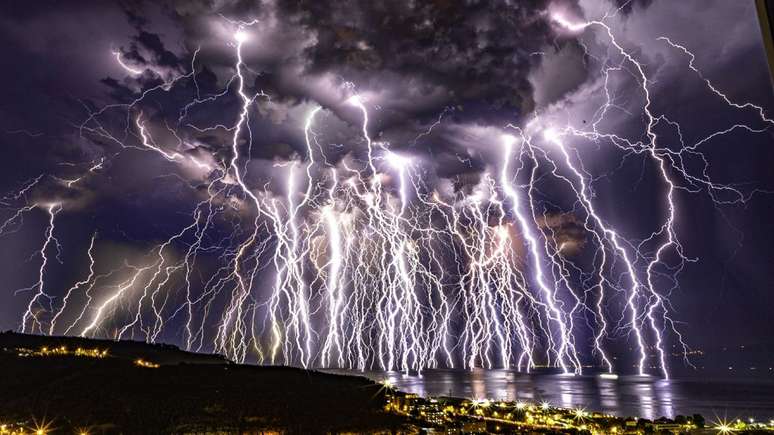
643,396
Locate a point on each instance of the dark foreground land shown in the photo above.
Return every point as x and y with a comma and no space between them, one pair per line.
70,385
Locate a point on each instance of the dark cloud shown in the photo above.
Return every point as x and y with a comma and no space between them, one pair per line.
152,43
567,231
474,54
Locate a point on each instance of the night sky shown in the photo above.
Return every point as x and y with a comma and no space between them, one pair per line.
441,81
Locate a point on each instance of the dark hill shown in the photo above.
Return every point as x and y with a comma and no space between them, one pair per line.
131,350
187,393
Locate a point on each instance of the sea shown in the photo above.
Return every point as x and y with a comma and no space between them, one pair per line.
715,398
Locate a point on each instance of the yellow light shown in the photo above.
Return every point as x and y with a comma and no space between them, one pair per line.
142,363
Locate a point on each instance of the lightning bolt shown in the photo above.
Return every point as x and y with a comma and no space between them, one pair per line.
31,319
366,264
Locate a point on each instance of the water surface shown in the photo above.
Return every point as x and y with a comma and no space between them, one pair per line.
643,396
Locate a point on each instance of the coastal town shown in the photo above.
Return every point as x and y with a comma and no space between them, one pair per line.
447,415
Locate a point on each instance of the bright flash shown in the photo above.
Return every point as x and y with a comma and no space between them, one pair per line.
397,161
551,135
240,36
562,21
508,139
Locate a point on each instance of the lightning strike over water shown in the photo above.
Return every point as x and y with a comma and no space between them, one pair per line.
357,259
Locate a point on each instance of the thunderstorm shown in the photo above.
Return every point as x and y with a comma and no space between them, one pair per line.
559,186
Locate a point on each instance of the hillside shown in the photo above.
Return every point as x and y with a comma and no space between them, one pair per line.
72,384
